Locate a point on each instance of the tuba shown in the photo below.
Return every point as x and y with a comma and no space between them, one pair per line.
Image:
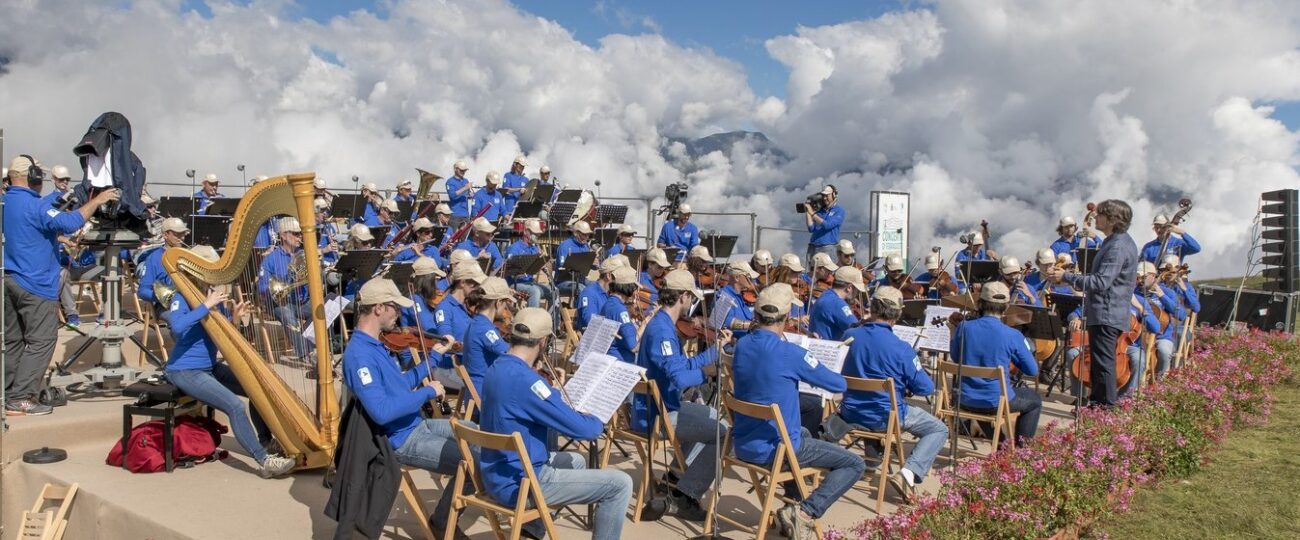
296,398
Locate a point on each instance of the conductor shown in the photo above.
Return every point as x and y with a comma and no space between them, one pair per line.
1108,290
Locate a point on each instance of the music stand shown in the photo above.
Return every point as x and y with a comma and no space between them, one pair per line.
222,207
634,257
177,207
1065,303
209,230
1083,259
966,301
568,196
611,213
544,193
360,263
720,246
348,205
577,266
1043,324
426,209
523,265
671,254
400,273
381,233
607,236
439,232
561,212
405,208
979,271
914,310
527,209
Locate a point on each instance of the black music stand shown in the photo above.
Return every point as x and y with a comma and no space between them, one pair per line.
720,246
209,231
1065,303
523,265
439,232
400,273
576,267
914,310
380,233
1044,324
611,213
178,207
348,205
561,212
542,193
1083,259
978,271
634,257
426,209
360,263
671,254
606,236
528,209
405,210
222,207
568,196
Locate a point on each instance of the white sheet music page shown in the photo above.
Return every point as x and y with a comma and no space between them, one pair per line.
935,337
332,310
721,308
830,354
909,334
596,339
601,385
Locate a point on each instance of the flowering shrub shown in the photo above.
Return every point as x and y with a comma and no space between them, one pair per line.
1072,473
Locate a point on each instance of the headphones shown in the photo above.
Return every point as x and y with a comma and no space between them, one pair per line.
35,174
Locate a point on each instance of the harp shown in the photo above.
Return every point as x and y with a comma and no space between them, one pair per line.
426,183
296,398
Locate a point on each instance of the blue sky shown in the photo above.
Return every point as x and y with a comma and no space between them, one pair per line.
730,28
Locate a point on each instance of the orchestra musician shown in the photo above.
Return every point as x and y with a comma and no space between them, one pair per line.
876,353
823,269
1174,277
359,238
625,236
60,176
150,272
192,366
544,176
328,229
1042,259
988,342
1138,307
459,193
575,243
741,316
1108,288
452,317
483,343
518,400
322,191
74,260
1180,243
154,217
1071,238
1013,276
622,292
824,224
404,194
768,369
527,245
1156,292
428,282
393,398
423,246
276,265
845,254
596,293
831,316
656,267
206,193
480,244
387,218
491,198
266,234
513,186
698,263
895,273
442,215
370,194
761,262
680,233
933,271
975,250
696,424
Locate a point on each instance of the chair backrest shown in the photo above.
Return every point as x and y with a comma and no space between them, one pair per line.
948,371
467,436
875,385
770,411
474,401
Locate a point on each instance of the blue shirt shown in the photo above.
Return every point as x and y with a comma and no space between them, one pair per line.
1170,303
648,284
205,200
193,349
616,249
517,249
483,198
987,342
590,302
459,203
31,230
831,316
276,266
661,355
768,370
150,271
827,232
474,249
1068,245
265,238
683,238
980,255
391,397
740,310
1189,298
483,345
933,293
517,400
1180,245
569,247
451,319
370,215
624,343
876,353
430,250
326,233
512,181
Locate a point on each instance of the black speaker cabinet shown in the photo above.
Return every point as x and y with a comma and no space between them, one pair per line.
1258,309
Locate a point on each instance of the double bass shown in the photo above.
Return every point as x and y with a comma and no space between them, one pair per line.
1082,367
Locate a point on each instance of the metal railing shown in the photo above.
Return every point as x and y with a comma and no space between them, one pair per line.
803,233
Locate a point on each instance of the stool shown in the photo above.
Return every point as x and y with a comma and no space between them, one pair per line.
160,400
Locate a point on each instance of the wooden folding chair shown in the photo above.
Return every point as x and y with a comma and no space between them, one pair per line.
529,488
765,478
413,499
661,437
891,438
468,400
571,334
41,524
152,329
946,410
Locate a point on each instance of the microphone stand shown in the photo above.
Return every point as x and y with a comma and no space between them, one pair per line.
715,487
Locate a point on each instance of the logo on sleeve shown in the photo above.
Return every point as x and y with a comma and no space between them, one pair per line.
847,312
808,359
623,316
540,390
364,375
438,316
584,301
666,348
176,304
52,213
492,336
916,362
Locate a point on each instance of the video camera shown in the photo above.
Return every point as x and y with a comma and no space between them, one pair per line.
816,201
676,195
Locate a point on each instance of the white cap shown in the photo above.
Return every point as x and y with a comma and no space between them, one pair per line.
892,263
289,224
1009,265
828,190
545,170
741,267
1066,221
852,276
1145,267
822,260
976,239
404,184
1160,220
424,266
371,187
582,227
482,225
209,178
932,261
460,166
59,171
626,229
701,252
459,256
422,224
791,261
175,224
443,209
1046,256
534,225
205,252
846,247
361,232
390,205
657,256
1169,260
763,257
493,177
520,160
684,209
320,204
319,183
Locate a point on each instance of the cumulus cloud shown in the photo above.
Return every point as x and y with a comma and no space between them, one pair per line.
1016,111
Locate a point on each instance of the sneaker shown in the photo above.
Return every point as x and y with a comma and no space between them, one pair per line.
26,407
903,486
793,524
684,507
275,465
273,448
73,323
439,529
785,519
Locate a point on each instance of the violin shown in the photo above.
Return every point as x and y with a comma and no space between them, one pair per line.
694,328
707,278
405,338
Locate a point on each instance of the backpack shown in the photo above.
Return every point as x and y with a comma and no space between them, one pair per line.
194,441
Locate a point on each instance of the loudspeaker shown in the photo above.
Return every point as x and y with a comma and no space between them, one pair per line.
1258,309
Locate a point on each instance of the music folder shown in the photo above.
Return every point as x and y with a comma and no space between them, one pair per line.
1043,323
405,209
606,236
177,207
634,257
222,207
576,266
720,246
400,273
568,195
671,254
380,233
914,310
521,265
209,230
979,271
359,263
348,205
1084,258
1065,303
528,209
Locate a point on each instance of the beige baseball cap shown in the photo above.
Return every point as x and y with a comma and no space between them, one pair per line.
763,257
582,227
682,280
531,323
210,179
493,177
495,288
1146,267
1160,219
893,262
791,261
534,225
424,266
382,291
21,164
1065,221
1046,256
205,252
741,267
822,260
320,204
459,166
290,224
318,183
702,253
422,224
361,232
443,209
613,262
846,247
404,184
932,262
481,224
174,224
626,229
828,190
776,300
976,239
390,205
371,187
459,256
657,256
1009,265
544,170
1169,261
147,200
851,275
625,275
461,272
59,172
520,160
889,296
996,292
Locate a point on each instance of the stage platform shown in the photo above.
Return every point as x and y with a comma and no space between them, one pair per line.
228,500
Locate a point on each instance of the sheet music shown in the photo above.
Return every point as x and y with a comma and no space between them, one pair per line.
830,354
721,308
909,334
936,337
332,310
601,385
596,339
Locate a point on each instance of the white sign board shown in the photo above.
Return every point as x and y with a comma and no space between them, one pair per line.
890,212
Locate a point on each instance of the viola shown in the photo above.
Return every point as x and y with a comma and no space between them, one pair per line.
405,338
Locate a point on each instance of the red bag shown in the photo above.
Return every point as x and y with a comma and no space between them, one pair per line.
194,440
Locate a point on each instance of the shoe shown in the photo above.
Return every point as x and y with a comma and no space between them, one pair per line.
439,529
26,407
785,519
273,448
906,491
73,323
684,507
794,526
275,465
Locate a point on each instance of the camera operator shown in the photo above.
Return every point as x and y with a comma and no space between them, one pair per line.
824,222
32,228
680,233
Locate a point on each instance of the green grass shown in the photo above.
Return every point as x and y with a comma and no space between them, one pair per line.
1253,282
1251,489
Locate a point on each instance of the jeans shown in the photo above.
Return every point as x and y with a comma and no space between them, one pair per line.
1102,340
290,318
536,293
565,480
1026,402
219,388
1164,355
432,446
931,435
845,468
31,328
811,411
698,431
1137,361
